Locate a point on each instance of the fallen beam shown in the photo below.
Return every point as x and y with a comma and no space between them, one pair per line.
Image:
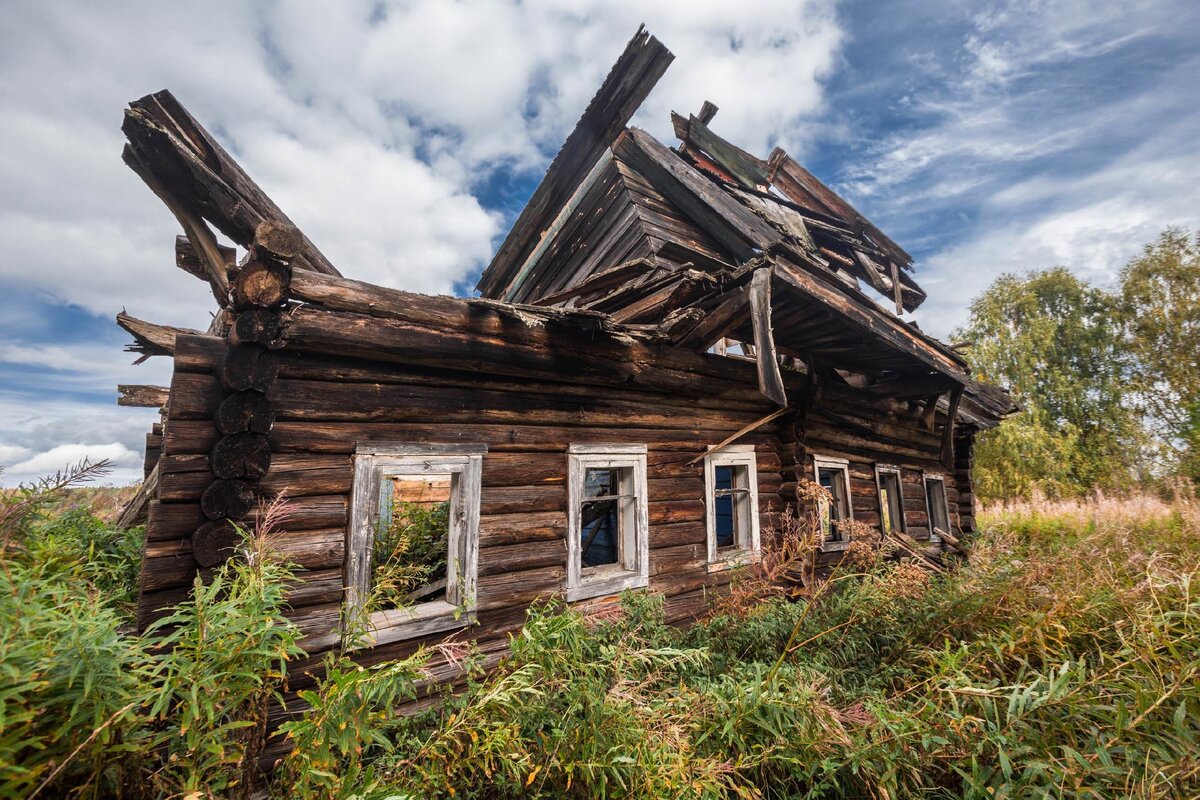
142,396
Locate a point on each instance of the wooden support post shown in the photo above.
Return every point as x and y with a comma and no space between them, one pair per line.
948,431
770,382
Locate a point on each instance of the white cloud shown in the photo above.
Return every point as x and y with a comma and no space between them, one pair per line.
372,125
123,461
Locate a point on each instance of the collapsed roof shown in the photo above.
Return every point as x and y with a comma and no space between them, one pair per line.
689,246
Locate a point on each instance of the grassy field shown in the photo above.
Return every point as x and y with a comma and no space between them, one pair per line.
1062,661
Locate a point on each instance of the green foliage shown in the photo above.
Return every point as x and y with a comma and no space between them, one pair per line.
409,552
1109,382
1160,307
89,709
1057,343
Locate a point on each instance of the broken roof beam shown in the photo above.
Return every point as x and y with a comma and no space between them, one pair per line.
150,339
636,72
864,316
141,396
751,172
801,186
730,223
770,381
191,166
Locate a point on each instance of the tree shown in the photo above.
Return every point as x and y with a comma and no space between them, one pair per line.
1057,343
1160,310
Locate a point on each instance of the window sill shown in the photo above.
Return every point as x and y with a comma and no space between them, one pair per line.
397,625
833,547
727,561
604,583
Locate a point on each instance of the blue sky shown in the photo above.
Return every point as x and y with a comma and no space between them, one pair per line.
403,138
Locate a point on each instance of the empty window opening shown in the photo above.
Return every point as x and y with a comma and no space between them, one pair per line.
410,551
891,500
939,513
413,542
834,477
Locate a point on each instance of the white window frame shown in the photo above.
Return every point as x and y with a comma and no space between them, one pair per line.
748,546
373,463
842,464
890,469
936,478
633,571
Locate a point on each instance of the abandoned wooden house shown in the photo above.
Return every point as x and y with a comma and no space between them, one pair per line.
667,342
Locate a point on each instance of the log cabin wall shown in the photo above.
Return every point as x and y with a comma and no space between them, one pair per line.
325,406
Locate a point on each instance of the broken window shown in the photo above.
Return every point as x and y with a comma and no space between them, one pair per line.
414,541
608,539
939,512
731,479
891,499
833,474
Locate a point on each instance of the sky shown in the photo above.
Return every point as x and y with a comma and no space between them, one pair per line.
404,137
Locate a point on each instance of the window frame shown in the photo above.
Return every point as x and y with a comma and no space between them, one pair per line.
843,466
633,569
890,469
372,464
939,479
747,547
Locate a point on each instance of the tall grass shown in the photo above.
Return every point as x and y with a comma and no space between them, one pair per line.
1063,660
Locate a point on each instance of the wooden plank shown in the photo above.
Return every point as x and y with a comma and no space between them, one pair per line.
141,396
635,73
770,381
729,222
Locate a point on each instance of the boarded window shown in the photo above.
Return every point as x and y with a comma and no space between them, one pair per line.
891,500
413,546
834,477
608,521
935,500
731,500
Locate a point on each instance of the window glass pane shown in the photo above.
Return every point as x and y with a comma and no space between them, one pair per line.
723,480
409,553
600,520
601,482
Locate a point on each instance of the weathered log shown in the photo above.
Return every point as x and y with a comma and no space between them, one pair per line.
140,396
248,367
241,455
151,339
214,542
184,156
227,499
261,284
257,326
244,411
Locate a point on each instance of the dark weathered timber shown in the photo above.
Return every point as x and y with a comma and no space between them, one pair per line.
242,455
244,411
188,260
214,542
248,367
261,326
635,73
227,499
